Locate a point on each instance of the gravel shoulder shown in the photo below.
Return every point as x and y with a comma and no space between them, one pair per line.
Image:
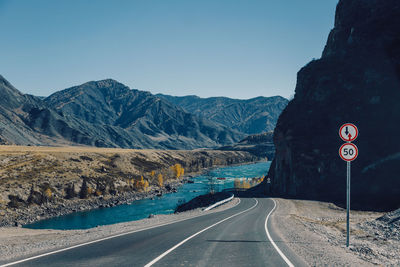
316,231
16,242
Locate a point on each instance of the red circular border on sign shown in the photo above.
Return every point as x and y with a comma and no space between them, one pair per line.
353,137
355,147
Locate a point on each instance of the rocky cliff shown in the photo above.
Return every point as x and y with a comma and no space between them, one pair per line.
356,80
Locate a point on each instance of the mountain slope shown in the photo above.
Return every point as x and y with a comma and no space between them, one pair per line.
140,115
260,145
105,114
15,114
356,80
250,116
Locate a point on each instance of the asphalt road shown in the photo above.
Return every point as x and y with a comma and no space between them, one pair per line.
234,237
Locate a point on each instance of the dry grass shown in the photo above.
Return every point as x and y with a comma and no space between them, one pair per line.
24,167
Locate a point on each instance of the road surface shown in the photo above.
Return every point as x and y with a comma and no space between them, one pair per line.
239,236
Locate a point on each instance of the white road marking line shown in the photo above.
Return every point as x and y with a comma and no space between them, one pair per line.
105,238
272,241
190,237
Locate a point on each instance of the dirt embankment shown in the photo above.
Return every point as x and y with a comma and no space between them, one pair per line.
203,201
42,182
316,231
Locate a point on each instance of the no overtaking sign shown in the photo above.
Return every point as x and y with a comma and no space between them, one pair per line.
348,132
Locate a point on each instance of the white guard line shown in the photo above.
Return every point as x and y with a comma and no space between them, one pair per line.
190,237
272,241
102,239
219,203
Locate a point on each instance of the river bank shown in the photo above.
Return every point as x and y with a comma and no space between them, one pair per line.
21,242
49,210
38,183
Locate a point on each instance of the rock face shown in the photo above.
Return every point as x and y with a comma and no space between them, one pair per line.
104,114
356,80
251,116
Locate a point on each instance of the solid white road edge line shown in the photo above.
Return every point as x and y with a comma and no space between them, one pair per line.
272,241
190,237
105,238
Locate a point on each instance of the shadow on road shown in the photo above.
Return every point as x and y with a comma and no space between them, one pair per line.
249,193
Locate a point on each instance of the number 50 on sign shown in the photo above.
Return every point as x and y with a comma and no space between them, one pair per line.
348,152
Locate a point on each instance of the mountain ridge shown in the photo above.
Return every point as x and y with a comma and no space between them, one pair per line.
250,116
131,109
105,113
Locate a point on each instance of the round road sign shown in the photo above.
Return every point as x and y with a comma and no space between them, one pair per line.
348,132
348,152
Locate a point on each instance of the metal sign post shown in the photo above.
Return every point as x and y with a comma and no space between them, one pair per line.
348,152
348,205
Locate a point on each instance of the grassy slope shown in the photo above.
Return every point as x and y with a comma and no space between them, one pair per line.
114,170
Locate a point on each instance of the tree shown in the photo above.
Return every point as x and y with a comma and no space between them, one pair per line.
236,184
47,193
160,180
141,183
178,170
146,185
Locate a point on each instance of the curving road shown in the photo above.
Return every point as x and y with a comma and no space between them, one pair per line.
239,236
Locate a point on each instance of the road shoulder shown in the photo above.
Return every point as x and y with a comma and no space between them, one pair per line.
316,232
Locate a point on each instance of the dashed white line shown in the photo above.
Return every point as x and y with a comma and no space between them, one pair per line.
199,232
272,241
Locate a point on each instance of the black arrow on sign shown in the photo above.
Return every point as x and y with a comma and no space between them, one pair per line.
347,131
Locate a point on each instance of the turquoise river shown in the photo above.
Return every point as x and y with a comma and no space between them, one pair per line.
165,204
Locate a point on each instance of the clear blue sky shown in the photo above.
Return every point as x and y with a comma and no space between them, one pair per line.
233,48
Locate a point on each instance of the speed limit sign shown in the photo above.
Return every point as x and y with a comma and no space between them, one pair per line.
348,152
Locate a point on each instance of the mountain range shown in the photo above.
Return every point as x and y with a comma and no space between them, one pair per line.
250,116
107,113
260,145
